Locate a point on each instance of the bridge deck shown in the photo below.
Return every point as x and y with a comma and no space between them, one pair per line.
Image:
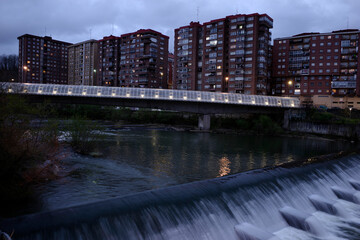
152,94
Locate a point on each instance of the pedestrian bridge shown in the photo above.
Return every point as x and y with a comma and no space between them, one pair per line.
199,102
151,94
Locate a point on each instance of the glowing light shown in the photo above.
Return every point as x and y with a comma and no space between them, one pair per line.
128,95
290,83
199,98
185,97
226,100
224,167
266,103
142,95
212,99
171,97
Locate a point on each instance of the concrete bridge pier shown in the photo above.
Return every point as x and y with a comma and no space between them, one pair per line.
287,116
204,122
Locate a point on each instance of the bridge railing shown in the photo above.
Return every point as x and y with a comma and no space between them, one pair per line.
149,93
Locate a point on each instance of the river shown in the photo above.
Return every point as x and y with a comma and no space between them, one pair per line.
137,160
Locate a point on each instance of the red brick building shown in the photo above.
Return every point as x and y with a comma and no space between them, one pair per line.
108,73
224,55
317,64
144,59
42,60
170,70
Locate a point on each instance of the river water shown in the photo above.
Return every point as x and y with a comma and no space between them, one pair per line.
143,159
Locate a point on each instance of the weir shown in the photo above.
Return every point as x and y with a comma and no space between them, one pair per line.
298,203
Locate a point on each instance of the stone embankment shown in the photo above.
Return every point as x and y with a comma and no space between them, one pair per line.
350,131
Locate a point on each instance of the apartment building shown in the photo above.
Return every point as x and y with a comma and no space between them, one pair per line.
83,62
144,59
109,61
42,60
170,70
230,54
311,64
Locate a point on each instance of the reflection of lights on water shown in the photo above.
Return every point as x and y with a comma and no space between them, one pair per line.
224,167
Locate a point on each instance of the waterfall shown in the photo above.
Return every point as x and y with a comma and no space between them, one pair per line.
318,201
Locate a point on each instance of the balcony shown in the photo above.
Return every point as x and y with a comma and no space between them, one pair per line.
266,21
346,84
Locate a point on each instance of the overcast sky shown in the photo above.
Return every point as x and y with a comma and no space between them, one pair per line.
74,20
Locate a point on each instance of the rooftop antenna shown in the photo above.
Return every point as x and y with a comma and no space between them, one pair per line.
347,24
45,30
90,33
112,29
237,11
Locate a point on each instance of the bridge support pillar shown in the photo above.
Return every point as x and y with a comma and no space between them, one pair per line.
204,122
287,116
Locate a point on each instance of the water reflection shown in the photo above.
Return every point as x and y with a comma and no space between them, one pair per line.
139,160
224,167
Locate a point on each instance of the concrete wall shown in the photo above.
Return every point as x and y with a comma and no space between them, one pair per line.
339,130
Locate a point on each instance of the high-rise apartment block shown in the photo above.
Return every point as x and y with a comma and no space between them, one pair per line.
108,73
231,54
83,61
42,60
170,74
144,59
317,64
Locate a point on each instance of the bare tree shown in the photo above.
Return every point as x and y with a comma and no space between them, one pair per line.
8,68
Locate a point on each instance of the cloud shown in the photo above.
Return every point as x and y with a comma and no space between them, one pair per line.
72,21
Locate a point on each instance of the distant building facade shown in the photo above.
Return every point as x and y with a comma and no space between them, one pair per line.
231,54
42,60
83,62
108,73
311,64
171,59
144,59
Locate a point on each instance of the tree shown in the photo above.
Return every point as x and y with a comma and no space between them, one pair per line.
8,68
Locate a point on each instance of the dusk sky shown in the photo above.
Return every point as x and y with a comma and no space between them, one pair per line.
73,20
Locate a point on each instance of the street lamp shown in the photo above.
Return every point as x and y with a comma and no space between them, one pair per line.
350,111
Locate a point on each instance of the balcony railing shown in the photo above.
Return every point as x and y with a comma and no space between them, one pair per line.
346,84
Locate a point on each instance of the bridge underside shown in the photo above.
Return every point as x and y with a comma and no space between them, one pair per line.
178,106
205,110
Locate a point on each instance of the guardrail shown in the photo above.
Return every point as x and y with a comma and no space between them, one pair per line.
150,93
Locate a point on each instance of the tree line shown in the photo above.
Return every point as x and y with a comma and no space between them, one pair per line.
9,68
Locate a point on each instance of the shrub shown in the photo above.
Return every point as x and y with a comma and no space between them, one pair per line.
264,124
83,134
22,149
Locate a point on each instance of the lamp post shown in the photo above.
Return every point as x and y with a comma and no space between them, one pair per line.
350,111
25,69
